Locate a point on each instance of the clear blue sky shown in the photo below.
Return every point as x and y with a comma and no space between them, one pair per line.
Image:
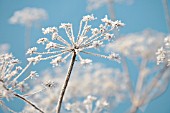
141,15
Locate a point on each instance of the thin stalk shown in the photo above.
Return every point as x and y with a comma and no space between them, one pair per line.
167,16
111,10
152,84
65,82
133,109
24,99
7,108
29,102
130,86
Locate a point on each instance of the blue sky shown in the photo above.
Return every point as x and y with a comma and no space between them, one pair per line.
141,15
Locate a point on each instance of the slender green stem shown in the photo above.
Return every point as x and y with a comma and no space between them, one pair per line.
65,82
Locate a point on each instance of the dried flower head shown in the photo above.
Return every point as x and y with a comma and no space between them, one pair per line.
10,72
59,49
136,45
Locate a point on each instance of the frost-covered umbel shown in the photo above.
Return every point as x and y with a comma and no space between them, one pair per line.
28,16
138,45
163,53
95,4
140,48
10,72
96,80
59,48
90,105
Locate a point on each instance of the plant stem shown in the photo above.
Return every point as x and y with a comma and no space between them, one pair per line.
65,83
134,109
167,16
24,99
152,84
111,10
29,102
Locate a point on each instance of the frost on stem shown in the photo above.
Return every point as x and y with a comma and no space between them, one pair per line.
59,49
96,80
163,53
10,72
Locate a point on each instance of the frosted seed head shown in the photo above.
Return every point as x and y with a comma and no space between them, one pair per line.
97,44
115,57
95,31
42,40
88,18
31,50
56,61
33,74
85,61
65,25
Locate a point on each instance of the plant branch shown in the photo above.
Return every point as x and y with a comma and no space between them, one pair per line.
133,109
111,10
152,85
126,69
29,102
167,16
65,83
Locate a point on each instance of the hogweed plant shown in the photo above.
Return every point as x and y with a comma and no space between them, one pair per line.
59,48
10,73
